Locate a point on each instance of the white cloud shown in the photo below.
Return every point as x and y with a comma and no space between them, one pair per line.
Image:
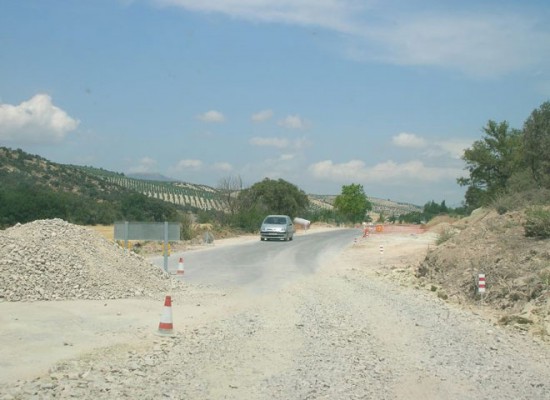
433,148
262,116
279,143
408,140
184,165
455,147
35,121
287,157
146,164
222,166
479,44
293,122
330,14
301,143
388,172
212,116
475,39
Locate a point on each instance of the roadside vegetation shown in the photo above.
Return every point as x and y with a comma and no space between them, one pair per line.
505,236
508,169
34,188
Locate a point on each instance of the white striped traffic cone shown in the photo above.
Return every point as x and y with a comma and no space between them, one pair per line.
180,270
166,326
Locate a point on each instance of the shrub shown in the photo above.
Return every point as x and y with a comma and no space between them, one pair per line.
537,223
444,236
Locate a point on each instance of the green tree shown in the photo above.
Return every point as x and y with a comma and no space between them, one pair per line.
268,197
490,162
352,203
432,209
275,197
536,139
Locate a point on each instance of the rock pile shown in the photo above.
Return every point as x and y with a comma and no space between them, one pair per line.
56,260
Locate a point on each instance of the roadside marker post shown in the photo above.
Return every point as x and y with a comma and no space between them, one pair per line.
481,284
181,269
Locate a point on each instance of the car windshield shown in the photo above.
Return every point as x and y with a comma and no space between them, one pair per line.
275,220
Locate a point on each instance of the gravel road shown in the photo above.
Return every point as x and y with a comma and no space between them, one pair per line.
350,331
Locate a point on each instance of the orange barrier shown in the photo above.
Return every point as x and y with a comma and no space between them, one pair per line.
391,228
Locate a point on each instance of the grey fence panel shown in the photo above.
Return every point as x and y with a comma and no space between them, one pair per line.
153,231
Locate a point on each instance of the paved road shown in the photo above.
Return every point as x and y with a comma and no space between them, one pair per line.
261,265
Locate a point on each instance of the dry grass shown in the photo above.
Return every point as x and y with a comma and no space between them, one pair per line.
107,231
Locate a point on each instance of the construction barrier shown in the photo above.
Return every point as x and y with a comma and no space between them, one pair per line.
166,326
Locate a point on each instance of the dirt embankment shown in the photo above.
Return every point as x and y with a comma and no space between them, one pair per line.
517,268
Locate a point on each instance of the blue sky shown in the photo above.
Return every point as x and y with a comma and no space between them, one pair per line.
321,93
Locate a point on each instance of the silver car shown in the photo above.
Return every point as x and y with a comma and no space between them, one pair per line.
277,227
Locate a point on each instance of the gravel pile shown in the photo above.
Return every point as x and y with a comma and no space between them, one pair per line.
56,260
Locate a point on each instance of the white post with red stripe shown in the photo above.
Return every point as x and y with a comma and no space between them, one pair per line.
381,250
180,270
481,283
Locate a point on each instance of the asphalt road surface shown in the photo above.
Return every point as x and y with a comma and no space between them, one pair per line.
261,266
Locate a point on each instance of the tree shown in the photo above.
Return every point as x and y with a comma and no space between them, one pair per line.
536,140
352,203
274,197
431,209
491,161
230,188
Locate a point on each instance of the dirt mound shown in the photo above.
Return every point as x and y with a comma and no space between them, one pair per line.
55,260
517,268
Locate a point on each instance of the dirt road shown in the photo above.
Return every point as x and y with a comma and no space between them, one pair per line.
357,329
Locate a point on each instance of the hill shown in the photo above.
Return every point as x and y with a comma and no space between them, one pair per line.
87,195
35,188
193,196
379,206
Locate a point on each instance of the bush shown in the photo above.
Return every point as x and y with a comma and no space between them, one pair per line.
444,236
537,223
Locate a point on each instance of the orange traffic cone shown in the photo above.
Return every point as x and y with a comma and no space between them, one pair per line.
165,326
180,270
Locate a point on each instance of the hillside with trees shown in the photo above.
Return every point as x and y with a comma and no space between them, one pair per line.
506,235
35,188
510,168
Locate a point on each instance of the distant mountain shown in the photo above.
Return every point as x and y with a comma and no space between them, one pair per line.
379,206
